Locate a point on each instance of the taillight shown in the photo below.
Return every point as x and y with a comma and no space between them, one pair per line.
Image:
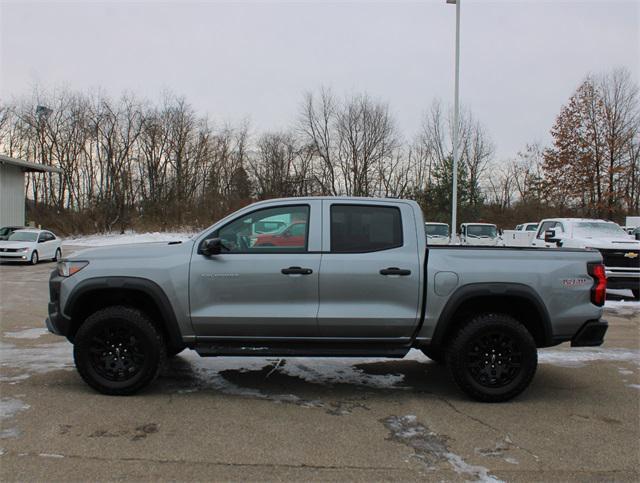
599,289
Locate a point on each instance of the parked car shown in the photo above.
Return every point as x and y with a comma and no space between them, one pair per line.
5,231
620,252
484,234
437,233
289,236
359,283
31,245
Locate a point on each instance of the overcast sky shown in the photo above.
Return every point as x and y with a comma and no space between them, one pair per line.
520,60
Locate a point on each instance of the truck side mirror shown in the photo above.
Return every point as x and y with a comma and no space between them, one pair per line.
210,246
550,236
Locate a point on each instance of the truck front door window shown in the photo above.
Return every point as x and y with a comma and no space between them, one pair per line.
246,234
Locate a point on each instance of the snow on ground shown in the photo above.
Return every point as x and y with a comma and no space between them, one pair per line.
106,239
622,307
27,333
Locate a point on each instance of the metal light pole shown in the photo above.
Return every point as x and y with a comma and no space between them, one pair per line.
456,117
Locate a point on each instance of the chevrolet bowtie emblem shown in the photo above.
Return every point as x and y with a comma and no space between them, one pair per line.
631,255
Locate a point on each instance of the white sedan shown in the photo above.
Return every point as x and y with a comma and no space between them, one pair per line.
30,245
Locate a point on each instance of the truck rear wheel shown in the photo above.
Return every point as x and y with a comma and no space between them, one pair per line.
493,358
118,351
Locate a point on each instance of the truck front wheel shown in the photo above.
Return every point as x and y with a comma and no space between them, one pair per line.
493,358
118,351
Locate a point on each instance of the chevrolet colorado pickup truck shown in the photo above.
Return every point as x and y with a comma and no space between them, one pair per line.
362,282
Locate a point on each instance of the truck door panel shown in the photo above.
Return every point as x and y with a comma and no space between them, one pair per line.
370,271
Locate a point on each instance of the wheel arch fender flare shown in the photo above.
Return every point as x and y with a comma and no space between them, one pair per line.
133,284
487,291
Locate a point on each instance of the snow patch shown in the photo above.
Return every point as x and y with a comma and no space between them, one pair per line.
622,307
9,407
128,237
50,455
35,360
431,448
578,357
10,433
27,333
322,371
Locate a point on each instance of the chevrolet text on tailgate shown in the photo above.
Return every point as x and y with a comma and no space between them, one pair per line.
343,277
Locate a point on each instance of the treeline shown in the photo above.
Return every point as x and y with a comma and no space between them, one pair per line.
130,163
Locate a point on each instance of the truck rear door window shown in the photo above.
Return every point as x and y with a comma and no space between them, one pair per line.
364,228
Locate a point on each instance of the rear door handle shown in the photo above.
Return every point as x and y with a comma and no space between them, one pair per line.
296,271
395,271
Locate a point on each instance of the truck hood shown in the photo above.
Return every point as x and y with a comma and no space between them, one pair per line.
136,251
608,243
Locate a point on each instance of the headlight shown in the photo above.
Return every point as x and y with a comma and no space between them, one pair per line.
23,249
68,268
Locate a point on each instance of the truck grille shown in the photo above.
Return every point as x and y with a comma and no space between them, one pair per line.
621,258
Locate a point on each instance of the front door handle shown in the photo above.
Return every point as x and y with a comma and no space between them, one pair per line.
296,271
395,271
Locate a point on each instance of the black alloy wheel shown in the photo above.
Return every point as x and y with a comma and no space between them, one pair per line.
116,353
493,357
118,350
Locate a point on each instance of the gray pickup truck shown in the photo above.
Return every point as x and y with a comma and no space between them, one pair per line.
342,277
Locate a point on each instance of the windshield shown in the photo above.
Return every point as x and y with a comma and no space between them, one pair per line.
533,227
436,230
482,230
598,228
23,236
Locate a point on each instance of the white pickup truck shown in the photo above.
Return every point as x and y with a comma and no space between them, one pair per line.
479,234
437,233
522,236
620,252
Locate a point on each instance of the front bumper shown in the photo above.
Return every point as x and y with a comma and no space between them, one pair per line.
591,334
15,256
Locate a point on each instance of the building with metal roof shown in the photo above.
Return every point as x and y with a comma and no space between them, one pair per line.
12,193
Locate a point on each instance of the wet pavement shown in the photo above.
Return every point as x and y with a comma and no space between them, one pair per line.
301,419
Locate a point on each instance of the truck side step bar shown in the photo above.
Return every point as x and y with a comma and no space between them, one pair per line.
211,349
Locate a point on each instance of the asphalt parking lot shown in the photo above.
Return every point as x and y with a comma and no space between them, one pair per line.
310,419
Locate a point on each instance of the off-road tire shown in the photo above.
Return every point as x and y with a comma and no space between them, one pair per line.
492,330
34,258
148,346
